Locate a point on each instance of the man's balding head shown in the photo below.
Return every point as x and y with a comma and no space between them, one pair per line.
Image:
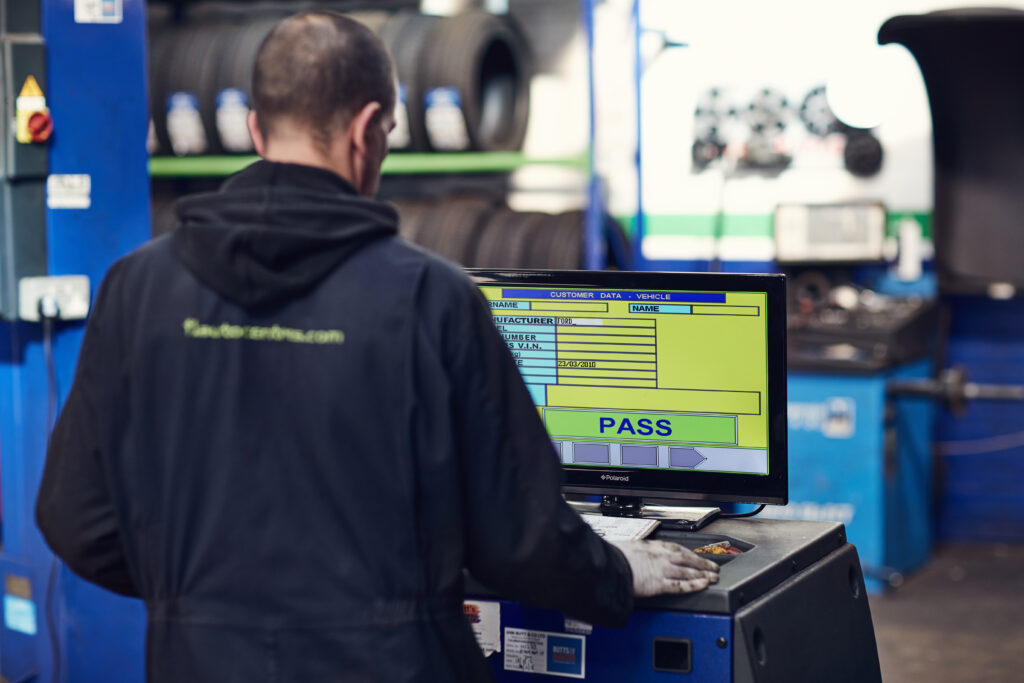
316,71
324,95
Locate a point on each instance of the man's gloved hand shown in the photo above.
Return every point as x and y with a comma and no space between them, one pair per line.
662,567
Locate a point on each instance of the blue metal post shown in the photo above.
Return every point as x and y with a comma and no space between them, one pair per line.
96,74
594,251
639,262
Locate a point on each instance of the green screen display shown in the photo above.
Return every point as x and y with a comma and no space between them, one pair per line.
673,380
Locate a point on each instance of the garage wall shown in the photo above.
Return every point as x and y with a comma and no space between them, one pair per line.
742,46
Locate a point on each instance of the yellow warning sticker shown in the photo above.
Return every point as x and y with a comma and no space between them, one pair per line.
31,88
30,101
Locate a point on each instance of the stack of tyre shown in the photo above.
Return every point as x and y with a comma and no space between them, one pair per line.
463,81
480,232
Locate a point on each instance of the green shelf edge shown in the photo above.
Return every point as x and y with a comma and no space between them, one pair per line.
395,164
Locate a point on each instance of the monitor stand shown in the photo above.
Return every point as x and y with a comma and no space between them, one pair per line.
671,516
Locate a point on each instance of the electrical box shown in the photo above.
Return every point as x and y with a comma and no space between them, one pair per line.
24,152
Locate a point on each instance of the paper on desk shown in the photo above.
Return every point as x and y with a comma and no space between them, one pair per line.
620,528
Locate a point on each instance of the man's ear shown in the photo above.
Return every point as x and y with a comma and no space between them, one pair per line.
258,143
362,124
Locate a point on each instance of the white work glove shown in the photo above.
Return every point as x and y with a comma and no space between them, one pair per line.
663,567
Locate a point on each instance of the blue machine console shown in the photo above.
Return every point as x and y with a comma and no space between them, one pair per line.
791,607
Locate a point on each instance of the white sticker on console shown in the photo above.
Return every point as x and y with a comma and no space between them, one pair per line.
485,619
541,652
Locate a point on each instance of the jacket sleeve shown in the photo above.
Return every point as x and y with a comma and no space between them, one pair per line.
74,509
524,541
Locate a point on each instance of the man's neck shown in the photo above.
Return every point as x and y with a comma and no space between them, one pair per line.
303,151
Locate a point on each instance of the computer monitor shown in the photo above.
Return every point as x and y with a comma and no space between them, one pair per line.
653,385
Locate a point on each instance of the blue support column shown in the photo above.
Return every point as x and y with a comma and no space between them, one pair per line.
97,97
639,227
594,251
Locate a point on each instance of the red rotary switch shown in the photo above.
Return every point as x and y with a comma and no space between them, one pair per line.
40,126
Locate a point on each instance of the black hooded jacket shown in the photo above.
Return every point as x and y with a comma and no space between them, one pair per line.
289,433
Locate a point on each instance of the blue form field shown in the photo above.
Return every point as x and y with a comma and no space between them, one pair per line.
536,363
522,353
528,371
523,319
528,337
548,347
513,305
660,308
526,329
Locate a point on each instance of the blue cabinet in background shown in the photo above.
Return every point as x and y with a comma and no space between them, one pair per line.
862,457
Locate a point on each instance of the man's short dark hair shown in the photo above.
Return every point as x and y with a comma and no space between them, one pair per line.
319,69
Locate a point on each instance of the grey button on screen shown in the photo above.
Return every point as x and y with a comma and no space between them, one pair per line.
687,458
639,455
590,452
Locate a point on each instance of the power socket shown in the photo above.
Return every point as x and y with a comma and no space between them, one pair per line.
70,292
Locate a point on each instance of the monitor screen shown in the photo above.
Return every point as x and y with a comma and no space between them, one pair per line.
659,385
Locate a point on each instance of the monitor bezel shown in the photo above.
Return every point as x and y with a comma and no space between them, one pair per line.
690,485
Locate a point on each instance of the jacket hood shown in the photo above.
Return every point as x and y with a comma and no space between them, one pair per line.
273,231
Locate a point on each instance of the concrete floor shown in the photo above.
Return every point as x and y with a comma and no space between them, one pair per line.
958,620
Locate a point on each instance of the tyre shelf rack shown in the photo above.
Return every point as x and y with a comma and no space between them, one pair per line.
394,164
595,254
